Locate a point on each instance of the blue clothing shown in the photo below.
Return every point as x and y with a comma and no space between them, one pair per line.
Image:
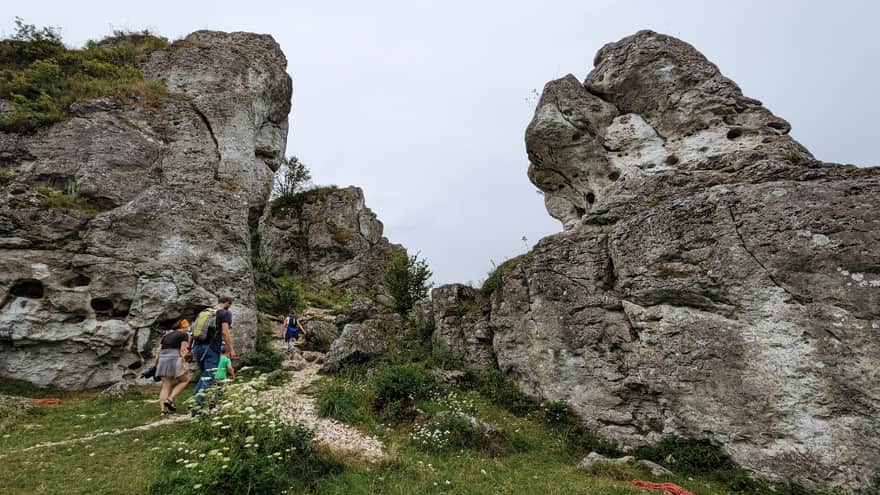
291,333
223,316
208,360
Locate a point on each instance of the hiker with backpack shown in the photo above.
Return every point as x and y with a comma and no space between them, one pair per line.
293,327
209,332
171,364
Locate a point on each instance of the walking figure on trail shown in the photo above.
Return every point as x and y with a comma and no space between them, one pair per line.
171,363
211,330
293,328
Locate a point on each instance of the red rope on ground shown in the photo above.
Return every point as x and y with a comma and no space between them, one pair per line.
667,488
48,401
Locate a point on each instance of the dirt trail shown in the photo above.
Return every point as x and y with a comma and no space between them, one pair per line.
293,406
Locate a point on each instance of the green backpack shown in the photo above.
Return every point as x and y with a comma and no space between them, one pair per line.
205,327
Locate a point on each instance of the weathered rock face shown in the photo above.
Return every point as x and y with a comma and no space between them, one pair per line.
461,325
161,228
327,235
363,340
713,281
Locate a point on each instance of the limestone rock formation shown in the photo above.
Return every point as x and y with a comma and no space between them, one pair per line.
363,340
714,281
461,325
327,235
160,227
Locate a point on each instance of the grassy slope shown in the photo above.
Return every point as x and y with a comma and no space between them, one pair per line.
544,467
110,464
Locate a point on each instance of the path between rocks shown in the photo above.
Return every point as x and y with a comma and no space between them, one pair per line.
294,406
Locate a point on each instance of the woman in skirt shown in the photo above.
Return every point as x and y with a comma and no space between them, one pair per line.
172,365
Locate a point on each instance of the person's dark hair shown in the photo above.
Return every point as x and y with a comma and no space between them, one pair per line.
224,299
177,325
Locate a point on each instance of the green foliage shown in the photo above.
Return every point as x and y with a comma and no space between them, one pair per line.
240,448
294,178
42,78
691,456
6,177
296,200
263,357
668,271
451,432
576,437
397,388
492,282
316,342
277,378
793,155
496,387
327,297
343,400
407,279
284,294
70,200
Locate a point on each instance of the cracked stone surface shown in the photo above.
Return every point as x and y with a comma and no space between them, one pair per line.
712,281
328,236
174,183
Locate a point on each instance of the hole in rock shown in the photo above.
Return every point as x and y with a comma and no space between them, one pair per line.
29,288
591,198
734,133
580,211
102,304
79,280
614,175
671,160
576,136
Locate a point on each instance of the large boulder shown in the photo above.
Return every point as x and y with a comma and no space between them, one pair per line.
164,194
364,340
327,235
714,281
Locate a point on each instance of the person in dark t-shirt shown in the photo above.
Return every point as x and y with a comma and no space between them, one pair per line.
208,355
170,365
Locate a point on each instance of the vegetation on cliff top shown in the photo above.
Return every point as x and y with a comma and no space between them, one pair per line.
42,78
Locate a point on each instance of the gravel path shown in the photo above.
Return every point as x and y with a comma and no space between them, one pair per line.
337,437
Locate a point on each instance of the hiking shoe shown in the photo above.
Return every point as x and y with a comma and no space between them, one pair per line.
170,406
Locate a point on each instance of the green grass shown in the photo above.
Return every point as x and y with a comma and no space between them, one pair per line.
121,464
43,78
53,198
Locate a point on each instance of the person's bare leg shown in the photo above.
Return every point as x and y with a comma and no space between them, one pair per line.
183,381
163,394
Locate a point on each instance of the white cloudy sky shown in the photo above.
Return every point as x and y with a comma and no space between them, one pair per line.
424,104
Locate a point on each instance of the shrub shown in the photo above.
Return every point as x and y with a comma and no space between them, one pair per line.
42,78
69,200
316,342
294,178
263,357
397,388
691,456
239,448
493,384
577,438
492,282
343,401
455,432
407,280
283,294
6,177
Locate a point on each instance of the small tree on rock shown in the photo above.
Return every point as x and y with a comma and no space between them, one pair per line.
407,279
295,177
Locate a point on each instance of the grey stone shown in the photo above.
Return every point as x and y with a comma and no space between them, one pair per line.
461,325
656,469
449,376
713,280
328,236
294,362
363,341
116,391
175,184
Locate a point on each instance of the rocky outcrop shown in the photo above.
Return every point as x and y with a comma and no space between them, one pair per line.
461,325
714,281
363,340
154,225
327,235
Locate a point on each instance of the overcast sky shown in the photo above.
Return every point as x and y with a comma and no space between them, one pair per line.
424,104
